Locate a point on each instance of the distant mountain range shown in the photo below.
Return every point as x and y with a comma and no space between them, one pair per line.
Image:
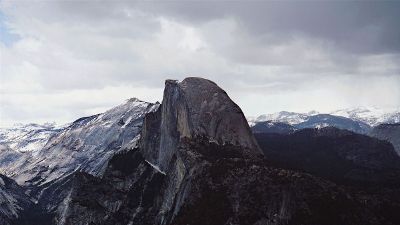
369,116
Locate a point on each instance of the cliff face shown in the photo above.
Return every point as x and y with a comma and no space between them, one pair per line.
190,109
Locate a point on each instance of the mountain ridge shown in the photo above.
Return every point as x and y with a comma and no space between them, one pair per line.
372,116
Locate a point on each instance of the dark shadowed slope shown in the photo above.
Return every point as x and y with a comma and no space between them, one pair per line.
340,155
388,132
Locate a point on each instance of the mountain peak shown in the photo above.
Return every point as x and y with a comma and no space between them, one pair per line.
195,107
134,99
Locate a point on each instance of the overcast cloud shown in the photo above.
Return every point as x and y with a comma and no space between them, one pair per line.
62,60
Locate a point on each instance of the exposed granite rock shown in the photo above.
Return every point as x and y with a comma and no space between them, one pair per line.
194,108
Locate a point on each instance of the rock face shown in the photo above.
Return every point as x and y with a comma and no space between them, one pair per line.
388,132
339,155
194,108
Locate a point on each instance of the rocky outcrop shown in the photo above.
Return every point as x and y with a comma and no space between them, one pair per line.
194,108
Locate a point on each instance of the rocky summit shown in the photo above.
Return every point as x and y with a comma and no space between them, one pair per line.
194,108
197,162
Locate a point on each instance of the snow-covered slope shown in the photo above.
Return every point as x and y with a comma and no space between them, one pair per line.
372,116
327,120
27,138
86,144
283,117
23,141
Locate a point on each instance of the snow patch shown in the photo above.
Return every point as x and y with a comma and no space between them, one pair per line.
155,167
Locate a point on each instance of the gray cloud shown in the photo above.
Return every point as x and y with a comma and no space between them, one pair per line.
69,53
358,26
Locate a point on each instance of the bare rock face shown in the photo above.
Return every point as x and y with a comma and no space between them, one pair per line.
194,108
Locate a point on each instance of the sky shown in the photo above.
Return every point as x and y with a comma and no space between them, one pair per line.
61,60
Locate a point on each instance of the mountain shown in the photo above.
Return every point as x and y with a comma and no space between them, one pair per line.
339,155
22,140
313,120
372,116
364,116
388,132
193,159
284,117
326,120
272,127
13,200
27,138
86,145
197,162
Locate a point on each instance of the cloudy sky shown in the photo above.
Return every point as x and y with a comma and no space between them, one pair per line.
66,59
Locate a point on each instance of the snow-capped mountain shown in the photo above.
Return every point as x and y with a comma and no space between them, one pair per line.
86,145
327,120
372,116
284,117
273,127
313,120
27,138
358,119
